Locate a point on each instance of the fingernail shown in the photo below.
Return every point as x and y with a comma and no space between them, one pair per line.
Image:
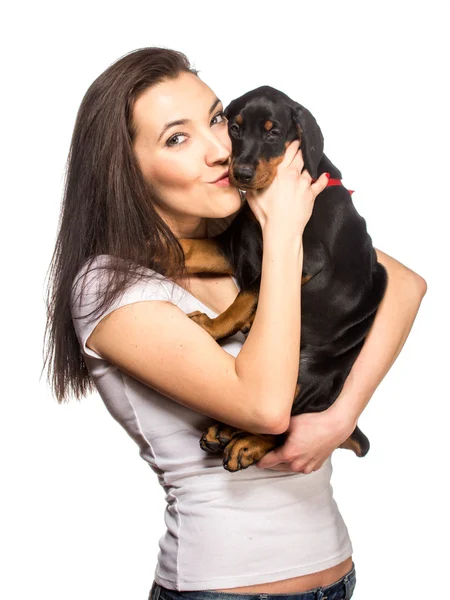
328,175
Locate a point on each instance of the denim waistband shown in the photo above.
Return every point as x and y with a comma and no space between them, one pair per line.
340,590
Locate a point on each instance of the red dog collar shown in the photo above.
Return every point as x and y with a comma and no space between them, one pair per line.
335,182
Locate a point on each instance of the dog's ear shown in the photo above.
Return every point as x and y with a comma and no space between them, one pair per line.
311,138
228,109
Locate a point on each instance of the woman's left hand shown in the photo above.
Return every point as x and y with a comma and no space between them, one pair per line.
310,440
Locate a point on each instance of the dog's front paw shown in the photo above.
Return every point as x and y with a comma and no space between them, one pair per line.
200,318
208,324
248,324
217,436
246,327
247,448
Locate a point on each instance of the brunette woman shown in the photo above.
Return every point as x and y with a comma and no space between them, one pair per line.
149,144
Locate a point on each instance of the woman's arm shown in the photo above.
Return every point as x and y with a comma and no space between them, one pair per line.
312,437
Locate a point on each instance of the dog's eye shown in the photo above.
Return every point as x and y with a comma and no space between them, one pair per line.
273,133
234,128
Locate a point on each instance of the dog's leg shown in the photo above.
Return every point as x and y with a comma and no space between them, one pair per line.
204,256
238,317
357,442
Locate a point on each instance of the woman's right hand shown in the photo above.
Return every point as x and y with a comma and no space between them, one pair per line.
287,203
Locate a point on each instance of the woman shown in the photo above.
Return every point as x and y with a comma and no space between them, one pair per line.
149,143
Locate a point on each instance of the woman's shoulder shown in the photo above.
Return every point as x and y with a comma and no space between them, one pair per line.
107,262
94,295
95,276
101,267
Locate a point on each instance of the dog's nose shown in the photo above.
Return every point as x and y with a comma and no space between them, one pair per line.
243,173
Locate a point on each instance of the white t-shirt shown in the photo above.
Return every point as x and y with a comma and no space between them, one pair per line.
223,529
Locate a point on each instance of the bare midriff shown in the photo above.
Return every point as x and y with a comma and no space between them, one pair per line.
294,585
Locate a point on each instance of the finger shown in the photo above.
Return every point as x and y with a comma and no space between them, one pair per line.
271,464
319,464
281,467
319,185
298,161
270,459
290,153
306,175
298,466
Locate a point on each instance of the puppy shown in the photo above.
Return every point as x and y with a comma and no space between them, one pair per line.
342,281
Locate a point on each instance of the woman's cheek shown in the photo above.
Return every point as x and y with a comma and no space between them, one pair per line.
179,173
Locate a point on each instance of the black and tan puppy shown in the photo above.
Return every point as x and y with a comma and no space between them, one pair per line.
342,282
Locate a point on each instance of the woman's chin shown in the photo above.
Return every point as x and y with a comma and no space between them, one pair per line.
224,213
228,202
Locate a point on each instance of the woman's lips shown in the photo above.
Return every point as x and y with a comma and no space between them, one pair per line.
224,174
224,182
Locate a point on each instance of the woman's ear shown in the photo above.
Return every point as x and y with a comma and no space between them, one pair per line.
311,138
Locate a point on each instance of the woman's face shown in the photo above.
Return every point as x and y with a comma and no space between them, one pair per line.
182,161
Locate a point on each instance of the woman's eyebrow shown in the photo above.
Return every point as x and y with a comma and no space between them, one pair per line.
185,121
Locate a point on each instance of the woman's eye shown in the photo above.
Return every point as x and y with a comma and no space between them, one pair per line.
219,114
177,135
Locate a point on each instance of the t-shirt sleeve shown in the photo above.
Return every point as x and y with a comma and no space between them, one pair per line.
87,293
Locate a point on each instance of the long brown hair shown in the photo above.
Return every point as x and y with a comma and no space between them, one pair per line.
106,208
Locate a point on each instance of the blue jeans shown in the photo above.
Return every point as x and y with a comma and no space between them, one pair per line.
340,590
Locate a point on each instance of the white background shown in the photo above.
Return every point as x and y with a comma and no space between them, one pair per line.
81,513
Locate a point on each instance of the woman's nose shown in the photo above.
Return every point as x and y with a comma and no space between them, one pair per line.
217,151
